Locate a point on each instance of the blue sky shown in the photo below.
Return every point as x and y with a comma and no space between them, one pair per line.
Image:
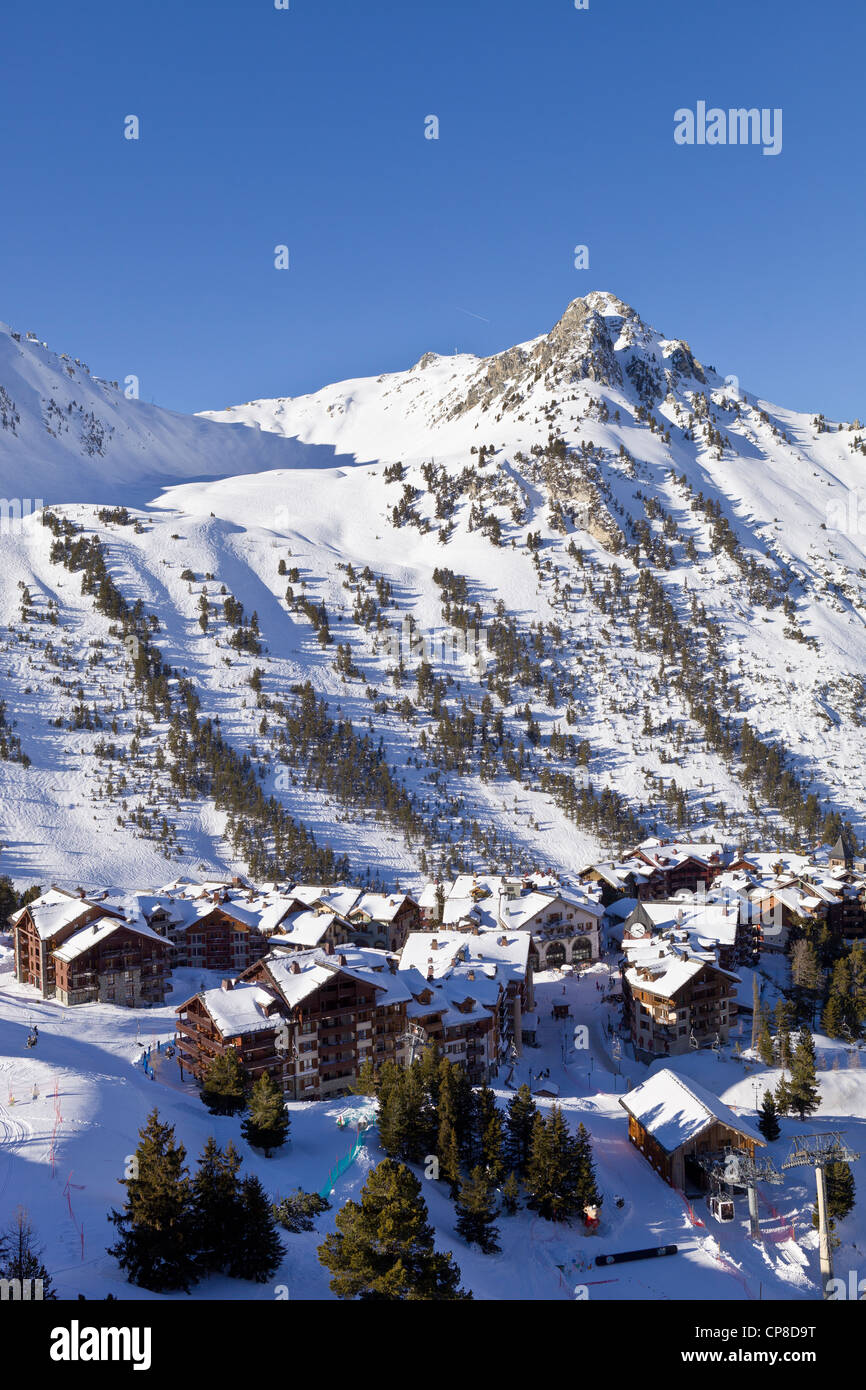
305,127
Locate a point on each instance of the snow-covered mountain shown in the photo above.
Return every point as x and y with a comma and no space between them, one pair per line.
667,574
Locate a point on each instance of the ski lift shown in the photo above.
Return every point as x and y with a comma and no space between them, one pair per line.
693,1042
31,1038
722,1208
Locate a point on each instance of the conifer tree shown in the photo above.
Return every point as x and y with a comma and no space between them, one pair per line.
803,1095
782,1095
429,1064
476,1211
489,1134
584,1169
267,1120
839,1019
21,1257
784,1020
383,1245
756,1011
841,1190
366,1082
518,1127
768,1123
857,962
257,1252
418,1117
157,1244
223,1084
390,1087
557,1179
765,1041
511,1194
447,1147
215,1205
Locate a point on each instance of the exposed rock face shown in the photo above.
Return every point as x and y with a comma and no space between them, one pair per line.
590,514
599,339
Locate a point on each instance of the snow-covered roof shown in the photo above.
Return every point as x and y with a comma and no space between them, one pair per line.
96,932
675,1110
54,910
303,928
240,1009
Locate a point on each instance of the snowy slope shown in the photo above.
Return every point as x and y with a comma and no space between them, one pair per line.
304,482
67,436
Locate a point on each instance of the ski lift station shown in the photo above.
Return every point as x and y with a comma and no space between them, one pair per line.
678,1125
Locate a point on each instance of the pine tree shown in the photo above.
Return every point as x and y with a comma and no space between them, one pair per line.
857,962
476,1211
267,1120
784,1020
584,1169
519,1125
765,1041
511,1194
223,1084
556,1177
782,1096
257,1252
804,1097
840,1016
418,1118
157,1245
366,1082
21,1257
383,1245
216,1205
840,1197
841,1191
768,1123
429,1064
489,1134
756,1011
390,1119
447,1147
806,978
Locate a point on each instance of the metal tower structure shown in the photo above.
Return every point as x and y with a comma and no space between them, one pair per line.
416,1037
817,1151
738,1168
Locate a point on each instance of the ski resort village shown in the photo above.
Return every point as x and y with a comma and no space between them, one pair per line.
432,830
629,1074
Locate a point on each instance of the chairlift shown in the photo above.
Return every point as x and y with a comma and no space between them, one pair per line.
693,1042
31,1038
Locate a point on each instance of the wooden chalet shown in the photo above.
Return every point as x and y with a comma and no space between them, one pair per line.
677,1002
306,1018
675,1122
83,952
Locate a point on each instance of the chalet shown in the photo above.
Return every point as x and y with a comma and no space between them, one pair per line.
563,922
675,1002
384,920
309,928
492,969
675,1122
81,951
718,927
310,1019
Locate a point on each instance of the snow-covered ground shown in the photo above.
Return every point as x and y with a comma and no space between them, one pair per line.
303,482
65,1149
